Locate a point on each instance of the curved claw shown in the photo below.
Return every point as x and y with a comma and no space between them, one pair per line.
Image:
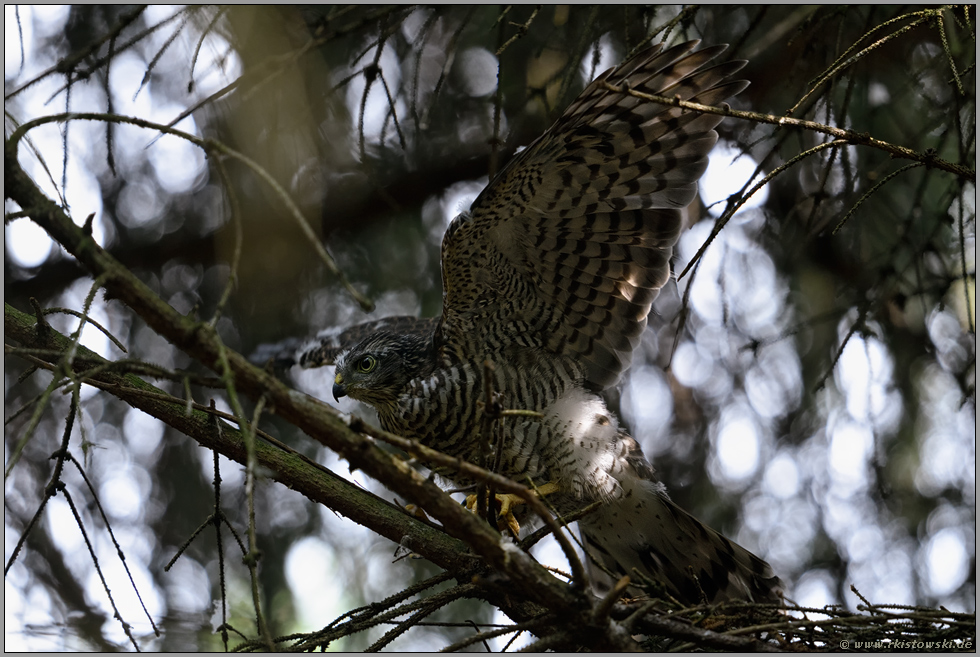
507,501
506,514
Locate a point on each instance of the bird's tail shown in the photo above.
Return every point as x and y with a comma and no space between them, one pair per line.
646,536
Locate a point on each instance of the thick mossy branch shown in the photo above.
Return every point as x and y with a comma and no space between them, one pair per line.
290,468
317,419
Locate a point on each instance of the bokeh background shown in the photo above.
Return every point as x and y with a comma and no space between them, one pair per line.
808,389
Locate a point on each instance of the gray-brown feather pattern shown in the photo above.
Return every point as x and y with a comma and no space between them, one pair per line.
324,348
572,241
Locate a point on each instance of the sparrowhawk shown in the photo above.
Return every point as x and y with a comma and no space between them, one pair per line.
550,276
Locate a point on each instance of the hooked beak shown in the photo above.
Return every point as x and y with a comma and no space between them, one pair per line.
338,388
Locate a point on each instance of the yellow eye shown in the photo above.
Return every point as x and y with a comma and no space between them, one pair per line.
367,364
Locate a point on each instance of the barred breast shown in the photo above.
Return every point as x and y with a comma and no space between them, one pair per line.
573,443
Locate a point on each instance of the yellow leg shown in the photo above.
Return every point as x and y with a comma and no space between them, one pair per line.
507,501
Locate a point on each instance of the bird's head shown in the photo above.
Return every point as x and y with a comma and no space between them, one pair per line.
377,369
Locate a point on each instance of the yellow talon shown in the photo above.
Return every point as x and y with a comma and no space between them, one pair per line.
416,511
506,502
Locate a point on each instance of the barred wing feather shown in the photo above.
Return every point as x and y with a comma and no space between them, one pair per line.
568,246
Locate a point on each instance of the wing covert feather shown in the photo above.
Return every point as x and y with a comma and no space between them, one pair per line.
568,246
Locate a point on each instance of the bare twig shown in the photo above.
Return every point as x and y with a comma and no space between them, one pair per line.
847,136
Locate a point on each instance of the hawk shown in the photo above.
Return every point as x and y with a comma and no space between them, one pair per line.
550,276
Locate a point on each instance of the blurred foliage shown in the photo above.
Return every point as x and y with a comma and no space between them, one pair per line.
826,337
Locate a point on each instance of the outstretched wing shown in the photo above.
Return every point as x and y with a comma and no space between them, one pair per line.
328,344
568,246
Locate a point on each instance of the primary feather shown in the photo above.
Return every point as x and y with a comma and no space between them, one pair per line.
551,275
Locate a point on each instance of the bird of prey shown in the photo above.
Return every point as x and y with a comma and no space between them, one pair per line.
550,276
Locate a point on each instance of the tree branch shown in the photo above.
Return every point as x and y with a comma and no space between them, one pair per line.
284,465
289,467
850,136
317,419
